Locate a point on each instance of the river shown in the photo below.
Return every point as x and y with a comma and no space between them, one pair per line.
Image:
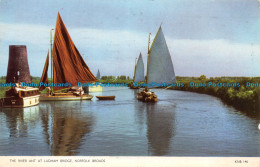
179,124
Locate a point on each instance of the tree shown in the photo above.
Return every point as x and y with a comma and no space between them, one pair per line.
202,77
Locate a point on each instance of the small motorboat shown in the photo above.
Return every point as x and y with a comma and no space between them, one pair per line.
146,96
106,97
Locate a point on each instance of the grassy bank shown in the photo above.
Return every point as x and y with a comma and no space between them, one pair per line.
236,91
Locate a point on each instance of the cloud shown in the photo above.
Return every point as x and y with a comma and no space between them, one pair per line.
25,33
114,51
214,58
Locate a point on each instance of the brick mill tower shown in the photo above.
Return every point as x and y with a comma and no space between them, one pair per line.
18,67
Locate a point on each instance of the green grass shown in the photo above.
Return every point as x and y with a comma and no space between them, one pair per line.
3,89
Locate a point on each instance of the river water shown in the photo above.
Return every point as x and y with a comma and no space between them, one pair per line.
179,124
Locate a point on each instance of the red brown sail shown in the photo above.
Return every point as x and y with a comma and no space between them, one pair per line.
68,64
44,78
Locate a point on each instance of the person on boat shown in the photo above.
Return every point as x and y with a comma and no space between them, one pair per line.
144,93
152,94
148,99
48,91
77,90
151,97
17,84
16,87
81,91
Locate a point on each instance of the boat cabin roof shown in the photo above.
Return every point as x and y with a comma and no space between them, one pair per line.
26,89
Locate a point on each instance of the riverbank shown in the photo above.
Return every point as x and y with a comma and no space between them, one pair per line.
234,91
103,80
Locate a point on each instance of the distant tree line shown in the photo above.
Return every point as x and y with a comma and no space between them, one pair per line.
115,79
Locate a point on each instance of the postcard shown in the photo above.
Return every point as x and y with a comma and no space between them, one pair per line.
129,83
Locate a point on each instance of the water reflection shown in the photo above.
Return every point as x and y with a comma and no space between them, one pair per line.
128,127
65,126
140,115
159,119
160,128
254,114
19,119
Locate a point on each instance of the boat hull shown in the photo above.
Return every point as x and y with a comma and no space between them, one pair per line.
65,98
97,88
132,87
23,102
106,97
147,98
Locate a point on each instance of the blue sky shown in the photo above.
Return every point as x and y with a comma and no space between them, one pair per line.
210,37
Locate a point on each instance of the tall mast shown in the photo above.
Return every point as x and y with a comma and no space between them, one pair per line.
146,77
51,59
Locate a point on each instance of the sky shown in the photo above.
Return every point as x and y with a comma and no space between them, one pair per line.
204,37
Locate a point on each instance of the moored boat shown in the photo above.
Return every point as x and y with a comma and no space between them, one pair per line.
65,97
68,68
106,97
20,97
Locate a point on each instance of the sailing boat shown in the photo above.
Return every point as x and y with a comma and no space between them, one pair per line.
138,73
159,67
67,67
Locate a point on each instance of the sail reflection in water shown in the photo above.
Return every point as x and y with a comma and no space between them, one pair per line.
159,123
64,127
160,128
140,114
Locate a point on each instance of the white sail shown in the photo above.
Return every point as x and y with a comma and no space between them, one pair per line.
98,75
160,66
139,70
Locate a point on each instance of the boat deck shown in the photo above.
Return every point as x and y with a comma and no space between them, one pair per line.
65,97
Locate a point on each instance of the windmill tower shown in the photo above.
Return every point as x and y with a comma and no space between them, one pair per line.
18,67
